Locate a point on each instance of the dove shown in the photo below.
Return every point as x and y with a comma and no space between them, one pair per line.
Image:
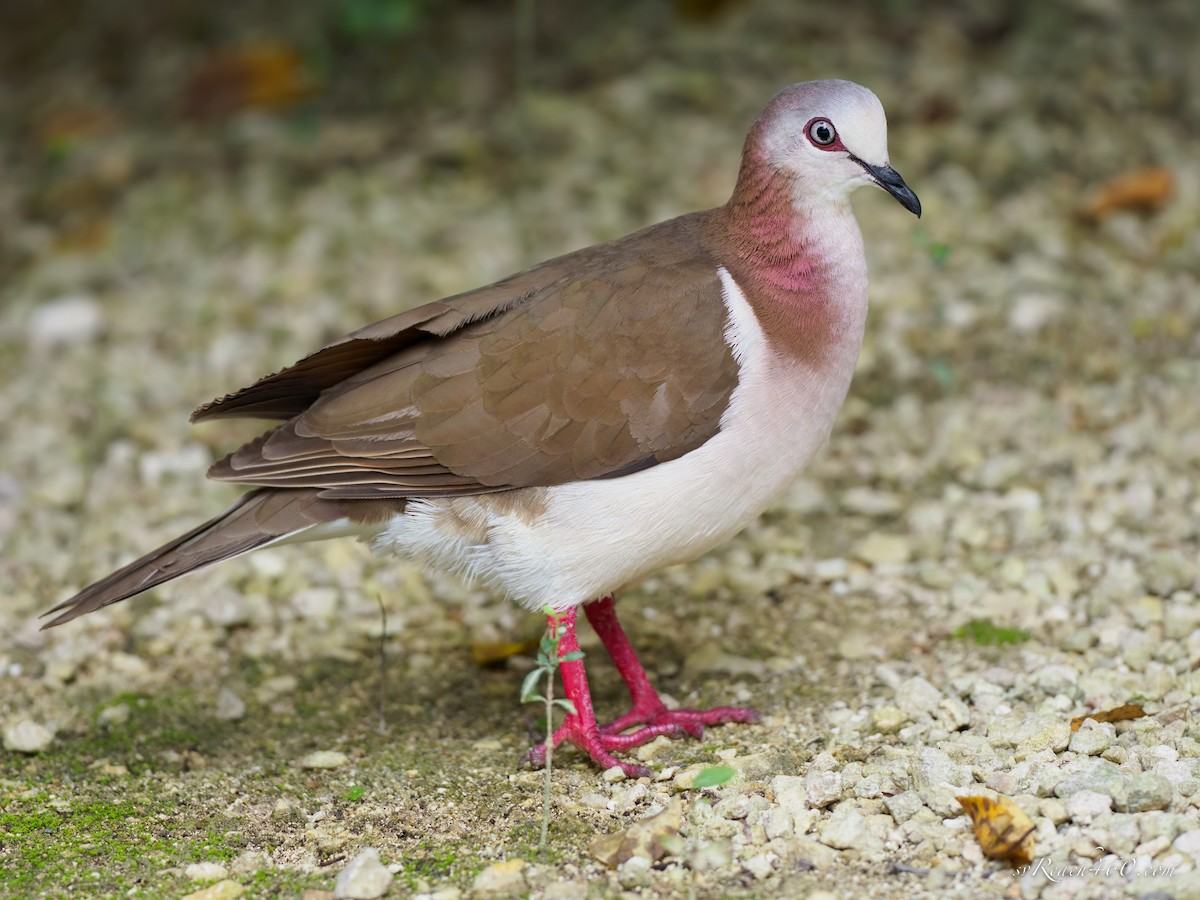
564,432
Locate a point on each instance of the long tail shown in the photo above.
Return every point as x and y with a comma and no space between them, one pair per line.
257,519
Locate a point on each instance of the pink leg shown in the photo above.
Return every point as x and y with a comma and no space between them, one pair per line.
580,728
648,709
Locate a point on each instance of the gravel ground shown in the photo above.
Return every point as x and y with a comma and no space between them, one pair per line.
1002,535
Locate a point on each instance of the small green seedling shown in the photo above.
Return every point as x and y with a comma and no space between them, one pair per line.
545,669
713,776
356,792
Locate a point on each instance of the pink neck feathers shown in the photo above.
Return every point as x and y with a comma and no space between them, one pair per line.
792,267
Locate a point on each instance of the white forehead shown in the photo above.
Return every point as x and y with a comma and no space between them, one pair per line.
854,110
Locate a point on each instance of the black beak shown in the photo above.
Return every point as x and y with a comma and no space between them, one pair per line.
889,179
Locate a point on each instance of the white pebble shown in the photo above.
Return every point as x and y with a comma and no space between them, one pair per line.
27,736
64,320
205,871
364,877
324,759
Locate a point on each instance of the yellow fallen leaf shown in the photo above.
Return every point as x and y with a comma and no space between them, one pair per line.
1145,189
492,653
1118,714
1002,828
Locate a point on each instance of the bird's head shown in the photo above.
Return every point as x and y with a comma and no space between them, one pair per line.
827,138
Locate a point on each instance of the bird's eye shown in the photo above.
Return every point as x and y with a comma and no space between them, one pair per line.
821,132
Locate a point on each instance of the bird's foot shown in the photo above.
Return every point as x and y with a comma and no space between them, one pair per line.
599,746
598,742
653,714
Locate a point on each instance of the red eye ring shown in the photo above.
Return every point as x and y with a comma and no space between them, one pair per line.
821,132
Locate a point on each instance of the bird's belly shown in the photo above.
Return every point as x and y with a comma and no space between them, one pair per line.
567,544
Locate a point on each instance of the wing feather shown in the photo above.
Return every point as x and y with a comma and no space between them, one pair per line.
588,366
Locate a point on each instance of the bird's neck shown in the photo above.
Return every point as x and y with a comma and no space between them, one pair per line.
799,259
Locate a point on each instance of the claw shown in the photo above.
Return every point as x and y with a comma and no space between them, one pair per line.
598,741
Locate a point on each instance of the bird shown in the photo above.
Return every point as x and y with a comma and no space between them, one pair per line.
560,434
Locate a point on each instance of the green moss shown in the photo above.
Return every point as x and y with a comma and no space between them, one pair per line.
983,632
436,862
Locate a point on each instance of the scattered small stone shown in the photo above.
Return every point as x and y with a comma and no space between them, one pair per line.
114,715
230,707
27,736
711,855
1054,810
1152,847
855,645
751,766
1092,738
363,878
565,890
953,713
1084,806
1056,679
937,780
879,549
903,806
648,752
1042,733
1148,791
812,853
613,775
286,810
888,719
64,320
712,658
1100,776
250,862
222,890
823,788
777,823
324,759
1189,843
502,879
916,696
330,838
106,767
846,828
645,838
761,865
634,872
205,871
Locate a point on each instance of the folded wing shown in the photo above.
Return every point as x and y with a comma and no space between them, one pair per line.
591,365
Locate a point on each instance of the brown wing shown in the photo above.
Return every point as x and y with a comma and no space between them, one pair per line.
591,365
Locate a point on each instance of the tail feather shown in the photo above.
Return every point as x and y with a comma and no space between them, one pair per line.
257,519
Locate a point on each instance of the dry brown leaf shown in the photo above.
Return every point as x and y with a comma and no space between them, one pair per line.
1002,828
704,10
651,838
1118,714
1144,189
87,236
263,75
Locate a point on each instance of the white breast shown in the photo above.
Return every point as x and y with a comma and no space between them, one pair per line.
565,545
